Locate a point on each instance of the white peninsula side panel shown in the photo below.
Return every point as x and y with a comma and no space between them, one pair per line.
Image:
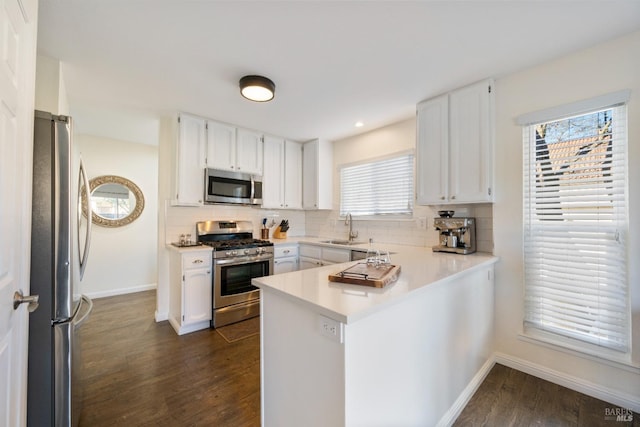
409,363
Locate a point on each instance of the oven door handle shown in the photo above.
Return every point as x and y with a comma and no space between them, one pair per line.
248,260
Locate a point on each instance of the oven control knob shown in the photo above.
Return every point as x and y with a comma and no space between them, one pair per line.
259,251
246,251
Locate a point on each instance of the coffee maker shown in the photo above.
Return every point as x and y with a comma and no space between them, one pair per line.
457,235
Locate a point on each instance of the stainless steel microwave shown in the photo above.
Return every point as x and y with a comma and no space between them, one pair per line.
232,187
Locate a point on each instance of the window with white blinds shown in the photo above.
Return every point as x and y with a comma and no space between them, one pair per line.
575,226
379,187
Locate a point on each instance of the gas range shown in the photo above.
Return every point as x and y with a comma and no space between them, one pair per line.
237,259
232,239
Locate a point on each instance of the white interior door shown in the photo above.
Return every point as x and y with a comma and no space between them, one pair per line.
17,85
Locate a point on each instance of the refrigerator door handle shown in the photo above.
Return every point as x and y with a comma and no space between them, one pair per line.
80,321
86,200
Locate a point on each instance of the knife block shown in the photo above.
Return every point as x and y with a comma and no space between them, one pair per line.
278,234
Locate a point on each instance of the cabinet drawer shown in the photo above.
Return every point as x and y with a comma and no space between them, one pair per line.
336,255
196,260
282,251
311,251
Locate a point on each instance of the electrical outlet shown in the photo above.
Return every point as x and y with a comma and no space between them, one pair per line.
330,328
421,223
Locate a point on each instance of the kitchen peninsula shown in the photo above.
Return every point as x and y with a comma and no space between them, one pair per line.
408,354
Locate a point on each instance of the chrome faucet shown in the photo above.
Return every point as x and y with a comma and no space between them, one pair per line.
348,220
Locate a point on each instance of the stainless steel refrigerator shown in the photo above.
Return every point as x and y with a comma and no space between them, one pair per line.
60,240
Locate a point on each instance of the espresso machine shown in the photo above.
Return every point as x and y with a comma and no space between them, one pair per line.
457,235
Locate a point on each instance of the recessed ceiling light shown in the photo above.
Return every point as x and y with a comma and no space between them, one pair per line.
359,124
257,88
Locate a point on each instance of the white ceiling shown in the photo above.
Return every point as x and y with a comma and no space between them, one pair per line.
333,63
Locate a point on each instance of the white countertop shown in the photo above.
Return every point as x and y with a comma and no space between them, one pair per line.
420,269
185,249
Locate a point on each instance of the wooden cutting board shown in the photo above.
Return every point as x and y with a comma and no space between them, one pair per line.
367,275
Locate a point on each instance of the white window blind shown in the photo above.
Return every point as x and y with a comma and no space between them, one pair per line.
575,226
379,187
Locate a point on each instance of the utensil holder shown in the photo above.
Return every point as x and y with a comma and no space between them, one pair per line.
278,234
264,233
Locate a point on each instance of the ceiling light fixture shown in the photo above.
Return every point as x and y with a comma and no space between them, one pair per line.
359,124
257,88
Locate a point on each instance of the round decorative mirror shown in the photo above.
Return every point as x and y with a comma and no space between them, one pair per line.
115,201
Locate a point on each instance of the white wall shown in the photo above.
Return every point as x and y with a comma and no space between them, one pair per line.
123,259
417,231
51,94
601,69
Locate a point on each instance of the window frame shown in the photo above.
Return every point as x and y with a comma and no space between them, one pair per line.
529,121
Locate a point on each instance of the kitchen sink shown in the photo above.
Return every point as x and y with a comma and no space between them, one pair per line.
341,242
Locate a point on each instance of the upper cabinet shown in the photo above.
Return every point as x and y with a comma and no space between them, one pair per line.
455,146
221,146
282,174
317,175
191,161
234,149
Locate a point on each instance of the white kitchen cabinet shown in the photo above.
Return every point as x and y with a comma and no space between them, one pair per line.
285,258
306,263
221,146
455,147
234,149
190,161
317,175
282,174
312,256
190,296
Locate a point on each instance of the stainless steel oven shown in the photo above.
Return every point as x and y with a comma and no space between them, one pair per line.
237,258
234,297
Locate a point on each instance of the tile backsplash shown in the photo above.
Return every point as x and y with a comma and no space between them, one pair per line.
418,231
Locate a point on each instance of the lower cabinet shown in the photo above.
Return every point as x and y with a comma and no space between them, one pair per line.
285,258
190,305
312,256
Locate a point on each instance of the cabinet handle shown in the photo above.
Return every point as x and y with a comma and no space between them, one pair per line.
286,251
453,197
441,197
197,261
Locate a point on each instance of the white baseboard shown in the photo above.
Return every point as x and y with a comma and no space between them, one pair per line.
121,291
455,410
606,394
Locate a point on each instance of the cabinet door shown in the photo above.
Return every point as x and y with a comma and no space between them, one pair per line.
190,160
285,265
306,263
310,175
470,147
249,152
273,173
196,298
432,151
292,175
333,255
221,146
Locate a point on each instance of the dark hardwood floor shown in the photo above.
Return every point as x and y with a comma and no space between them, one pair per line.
140,373
512,398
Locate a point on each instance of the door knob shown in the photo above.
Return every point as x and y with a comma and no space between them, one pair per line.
32,300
